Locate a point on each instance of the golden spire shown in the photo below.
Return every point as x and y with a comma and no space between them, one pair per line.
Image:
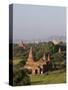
30,53
30,57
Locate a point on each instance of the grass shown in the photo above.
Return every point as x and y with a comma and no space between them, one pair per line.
52,78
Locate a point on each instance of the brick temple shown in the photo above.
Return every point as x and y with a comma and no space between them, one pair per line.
36,67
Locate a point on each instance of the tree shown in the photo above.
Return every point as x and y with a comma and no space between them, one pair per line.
20,77
59,60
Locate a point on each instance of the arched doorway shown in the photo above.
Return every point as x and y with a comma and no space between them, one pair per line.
45,69
36,71
41,71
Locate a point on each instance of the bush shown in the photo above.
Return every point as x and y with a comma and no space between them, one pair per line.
20,77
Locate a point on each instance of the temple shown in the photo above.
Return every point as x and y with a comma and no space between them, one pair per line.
36,67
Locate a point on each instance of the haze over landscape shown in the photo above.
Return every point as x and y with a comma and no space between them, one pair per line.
33,22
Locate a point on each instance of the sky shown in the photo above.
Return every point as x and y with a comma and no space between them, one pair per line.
34,22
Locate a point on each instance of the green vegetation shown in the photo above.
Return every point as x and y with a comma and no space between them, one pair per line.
54,77
20,76
58,63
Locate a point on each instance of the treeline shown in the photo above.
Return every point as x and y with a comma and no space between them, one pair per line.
38,50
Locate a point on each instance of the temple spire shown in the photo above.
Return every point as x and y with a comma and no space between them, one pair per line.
30,53
30,57
44,57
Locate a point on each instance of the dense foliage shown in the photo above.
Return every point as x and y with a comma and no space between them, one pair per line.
20,77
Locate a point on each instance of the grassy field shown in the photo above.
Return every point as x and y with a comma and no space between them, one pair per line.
52,78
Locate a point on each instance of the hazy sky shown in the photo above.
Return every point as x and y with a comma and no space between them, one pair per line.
31,22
